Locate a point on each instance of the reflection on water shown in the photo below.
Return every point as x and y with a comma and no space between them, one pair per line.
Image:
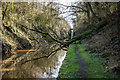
51,66
42,68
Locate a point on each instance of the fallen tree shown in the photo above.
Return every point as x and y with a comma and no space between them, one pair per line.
86,34
79,37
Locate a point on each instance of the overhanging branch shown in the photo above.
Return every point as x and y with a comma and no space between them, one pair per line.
81,36
46,33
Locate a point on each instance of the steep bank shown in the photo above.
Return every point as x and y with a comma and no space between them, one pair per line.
105,41
105,44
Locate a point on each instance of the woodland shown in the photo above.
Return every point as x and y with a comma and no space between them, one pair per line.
34,36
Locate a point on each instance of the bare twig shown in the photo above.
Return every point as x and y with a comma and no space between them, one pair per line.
72,6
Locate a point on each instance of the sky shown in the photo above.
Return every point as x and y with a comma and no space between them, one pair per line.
65,16
66,2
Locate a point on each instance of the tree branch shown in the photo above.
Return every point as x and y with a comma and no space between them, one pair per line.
46,33
81,36
72,6
90,7
86,34
4,12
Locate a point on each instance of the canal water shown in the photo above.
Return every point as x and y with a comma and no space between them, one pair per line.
42,68
49,68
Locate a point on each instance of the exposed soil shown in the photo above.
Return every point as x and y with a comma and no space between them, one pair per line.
82,69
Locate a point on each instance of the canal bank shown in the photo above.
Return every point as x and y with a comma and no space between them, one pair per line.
93,64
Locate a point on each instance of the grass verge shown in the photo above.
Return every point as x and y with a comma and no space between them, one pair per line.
70,66
93,64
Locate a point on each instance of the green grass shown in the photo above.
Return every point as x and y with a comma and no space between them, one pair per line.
70,66
93,64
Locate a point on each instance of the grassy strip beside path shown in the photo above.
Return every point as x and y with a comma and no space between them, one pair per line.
92,64
70,66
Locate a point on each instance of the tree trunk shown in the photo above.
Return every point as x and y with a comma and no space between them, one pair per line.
118,28
88,13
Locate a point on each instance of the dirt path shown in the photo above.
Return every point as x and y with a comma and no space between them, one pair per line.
82,69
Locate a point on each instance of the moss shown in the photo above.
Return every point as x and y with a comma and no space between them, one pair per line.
88,33
70,67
